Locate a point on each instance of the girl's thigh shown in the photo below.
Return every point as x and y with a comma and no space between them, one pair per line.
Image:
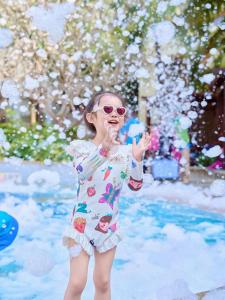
79,267
103,263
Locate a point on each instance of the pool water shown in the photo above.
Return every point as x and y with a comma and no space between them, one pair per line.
159,236
188,218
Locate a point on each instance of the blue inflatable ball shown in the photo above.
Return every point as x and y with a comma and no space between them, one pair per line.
8,229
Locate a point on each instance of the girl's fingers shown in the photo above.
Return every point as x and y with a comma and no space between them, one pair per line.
145,137
113,135
109,134
116,142
146,140
148,136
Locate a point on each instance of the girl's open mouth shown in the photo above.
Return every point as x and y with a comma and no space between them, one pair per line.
113,122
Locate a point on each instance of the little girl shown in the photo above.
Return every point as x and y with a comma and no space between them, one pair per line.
102,165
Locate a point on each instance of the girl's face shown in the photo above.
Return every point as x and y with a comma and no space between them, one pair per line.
104,225
113,118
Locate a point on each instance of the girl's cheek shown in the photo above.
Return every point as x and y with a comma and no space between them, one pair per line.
104,121
121,124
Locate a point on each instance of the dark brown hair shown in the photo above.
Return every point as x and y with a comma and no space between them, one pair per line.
96,99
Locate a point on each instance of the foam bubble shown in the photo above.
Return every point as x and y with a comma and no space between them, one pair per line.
44,178
37,261
213,152
6,37
177,290
217,188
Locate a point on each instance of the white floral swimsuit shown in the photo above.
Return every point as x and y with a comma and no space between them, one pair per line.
95,217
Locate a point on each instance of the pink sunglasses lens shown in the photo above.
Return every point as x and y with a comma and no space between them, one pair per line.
108,109
121,110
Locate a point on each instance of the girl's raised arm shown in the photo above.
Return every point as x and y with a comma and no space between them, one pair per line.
135,174
136,155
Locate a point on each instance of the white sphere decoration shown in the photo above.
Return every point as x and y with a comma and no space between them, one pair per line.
38,262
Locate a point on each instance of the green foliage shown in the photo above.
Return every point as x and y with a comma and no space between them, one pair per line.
130,92
205,161
37,142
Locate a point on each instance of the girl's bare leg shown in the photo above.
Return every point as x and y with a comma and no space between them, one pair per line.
78,275
102,271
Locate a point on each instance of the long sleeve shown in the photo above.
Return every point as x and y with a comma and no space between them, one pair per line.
86,160
135,173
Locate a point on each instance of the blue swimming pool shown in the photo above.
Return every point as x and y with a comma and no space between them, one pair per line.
184,216
163,212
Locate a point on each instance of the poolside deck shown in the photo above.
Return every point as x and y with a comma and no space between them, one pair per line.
202,176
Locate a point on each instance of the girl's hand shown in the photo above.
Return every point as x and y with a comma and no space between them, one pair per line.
110,137
139,149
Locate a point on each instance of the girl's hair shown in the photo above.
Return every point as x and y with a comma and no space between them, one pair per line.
96,99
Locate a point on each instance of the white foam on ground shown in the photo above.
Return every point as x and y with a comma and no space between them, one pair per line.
215,295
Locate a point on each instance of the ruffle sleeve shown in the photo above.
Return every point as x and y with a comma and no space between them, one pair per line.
87,157
77,148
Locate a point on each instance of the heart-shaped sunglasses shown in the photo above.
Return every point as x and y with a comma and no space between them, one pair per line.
108,109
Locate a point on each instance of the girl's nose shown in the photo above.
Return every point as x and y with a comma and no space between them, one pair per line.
114,113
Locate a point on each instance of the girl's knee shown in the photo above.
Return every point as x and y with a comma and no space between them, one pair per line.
102,283
77,286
